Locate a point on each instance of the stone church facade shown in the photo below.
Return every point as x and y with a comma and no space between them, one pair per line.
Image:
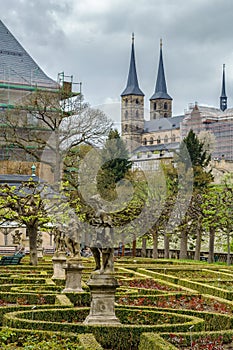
160,136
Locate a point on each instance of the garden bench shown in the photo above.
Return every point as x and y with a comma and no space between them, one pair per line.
11,260
203,258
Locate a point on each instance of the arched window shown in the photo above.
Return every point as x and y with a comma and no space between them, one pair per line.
144,141
137,114
151,141
158,139
154,106
137,101
173,138
165,139
126,114
165,105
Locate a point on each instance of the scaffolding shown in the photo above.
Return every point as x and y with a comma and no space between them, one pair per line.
70,92
220,126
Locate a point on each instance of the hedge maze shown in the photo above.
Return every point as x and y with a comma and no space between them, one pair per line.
162,305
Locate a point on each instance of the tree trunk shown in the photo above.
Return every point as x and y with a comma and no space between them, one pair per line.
134,248
183,245
198,242
123,250
166,245
155,244
211,245
144,240
32,233
228,249
58,160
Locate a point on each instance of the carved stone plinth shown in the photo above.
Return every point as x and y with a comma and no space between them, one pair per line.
103,288
73,270
59,261
40,253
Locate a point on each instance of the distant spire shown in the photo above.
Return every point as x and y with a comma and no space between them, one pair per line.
161,86
132,87
223,97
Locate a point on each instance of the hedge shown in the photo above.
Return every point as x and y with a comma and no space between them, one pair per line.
35,338
152,341
117,337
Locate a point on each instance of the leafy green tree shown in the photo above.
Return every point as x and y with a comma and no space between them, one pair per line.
202,177
27,205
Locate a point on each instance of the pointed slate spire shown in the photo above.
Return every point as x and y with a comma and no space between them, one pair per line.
223,97
161,86
132,87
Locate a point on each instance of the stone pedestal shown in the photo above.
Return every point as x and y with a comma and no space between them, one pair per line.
103,288
59,261
73,270
40,253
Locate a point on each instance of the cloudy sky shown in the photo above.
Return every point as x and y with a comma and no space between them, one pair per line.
91,39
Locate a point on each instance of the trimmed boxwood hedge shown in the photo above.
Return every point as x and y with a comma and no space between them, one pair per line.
39,339
152,341
117,337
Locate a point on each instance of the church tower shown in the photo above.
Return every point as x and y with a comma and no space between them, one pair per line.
132,106
160,102
223,97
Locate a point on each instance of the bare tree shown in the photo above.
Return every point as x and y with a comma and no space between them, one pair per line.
43,128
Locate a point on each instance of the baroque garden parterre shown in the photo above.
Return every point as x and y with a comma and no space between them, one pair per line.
161,304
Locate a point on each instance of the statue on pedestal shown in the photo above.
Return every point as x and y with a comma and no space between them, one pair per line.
102,241
59,240
39,240
72,239
16,237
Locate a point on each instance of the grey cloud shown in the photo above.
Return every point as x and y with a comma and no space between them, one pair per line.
197,36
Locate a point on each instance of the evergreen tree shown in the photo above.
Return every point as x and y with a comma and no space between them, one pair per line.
200,159
115,165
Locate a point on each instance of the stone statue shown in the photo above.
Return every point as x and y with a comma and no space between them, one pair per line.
39,240
16,237
102,241
72,239
59,240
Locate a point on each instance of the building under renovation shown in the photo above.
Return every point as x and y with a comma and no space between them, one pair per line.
21,78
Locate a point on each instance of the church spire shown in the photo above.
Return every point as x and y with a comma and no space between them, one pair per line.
223,97
132,87
160,102
161,86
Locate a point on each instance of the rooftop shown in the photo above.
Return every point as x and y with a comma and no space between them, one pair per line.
17,66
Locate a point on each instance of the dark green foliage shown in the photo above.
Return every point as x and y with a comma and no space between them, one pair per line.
152,341
115,165
199,158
